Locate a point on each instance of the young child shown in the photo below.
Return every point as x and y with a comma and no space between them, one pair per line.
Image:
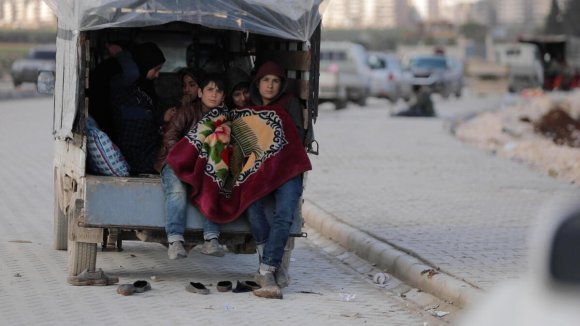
190,79
269,89
211,95
239,88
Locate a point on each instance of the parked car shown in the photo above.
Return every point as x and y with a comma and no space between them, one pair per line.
344,74
437,72
389,80
25,70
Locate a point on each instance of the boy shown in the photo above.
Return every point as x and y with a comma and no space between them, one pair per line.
269,89
211,95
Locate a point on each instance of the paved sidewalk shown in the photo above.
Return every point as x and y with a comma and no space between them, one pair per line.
406,195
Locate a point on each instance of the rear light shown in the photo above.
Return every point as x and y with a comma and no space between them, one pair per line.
333,68
391,77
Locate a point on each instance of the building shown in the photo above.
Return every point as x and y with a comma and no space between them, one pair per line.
25,14
529,13
375,14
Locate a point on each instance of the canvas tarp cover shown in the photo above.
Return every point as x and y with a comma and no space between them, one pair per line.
289,19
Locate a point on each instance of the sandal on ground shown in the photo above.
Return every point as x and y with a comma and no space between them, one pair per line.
224,286
195,287
245,286
141,286
87,277
126,289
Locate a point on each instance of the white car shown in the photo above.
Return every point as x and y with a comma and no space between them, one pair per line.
389,79
41,58
344,73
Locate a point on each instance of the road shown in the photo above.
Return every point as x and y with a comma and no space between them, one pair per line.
325,290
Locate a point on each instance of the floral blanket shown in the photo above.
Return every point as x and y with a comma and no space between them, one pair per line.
233,158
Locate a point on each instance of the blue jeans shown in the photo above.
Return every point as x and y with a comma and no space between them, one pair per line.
274,237
176,201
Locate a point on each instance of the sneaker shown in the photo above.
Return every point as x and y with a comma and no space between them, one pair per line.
213,248
269,289
176,250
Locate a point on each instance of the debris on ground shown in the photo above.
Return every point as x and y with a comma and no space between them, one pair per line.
542,132
430,272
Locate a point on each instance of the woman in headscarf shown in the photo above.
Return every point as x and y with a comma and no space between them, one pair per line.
136,120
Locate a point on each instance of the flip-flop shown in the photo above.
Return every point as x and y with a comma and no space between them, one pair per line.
246,286
224,286
126,289
141,286
195,287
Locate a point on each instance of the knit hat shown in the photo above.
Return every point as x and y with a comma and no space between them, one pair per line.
269,68
147,56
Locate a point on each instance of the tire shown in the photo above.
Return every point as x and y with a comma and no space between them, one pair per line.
340,104
362,101
60,221
60,229
458,93
81,255
16,83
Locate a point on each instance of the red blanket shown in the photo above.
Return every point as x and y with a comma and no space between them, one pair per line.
231,159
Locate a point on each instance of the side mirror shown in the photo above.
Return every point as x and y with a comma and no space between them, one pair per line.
45,82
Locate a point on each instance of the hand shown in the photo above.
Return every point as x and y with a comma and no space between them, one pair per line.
113,48
169,114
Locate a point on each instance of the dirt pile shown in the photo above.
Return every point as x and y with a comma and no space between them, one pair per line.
559,126
541,130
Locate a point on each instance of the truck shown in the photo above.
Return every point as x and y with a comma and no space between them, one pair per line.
523,62
560,59
92,210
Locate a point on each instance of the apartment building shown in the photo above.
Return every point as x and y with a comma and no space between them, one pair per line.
25,14
368,14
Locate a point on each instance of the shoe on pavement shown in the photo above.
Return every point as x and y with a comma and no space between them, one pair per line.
126,289
176,250
213,248
97,277
195,287
224,286
141,286
269,288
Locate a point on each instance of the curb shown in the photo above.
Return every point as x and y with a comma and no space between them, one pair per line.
407,268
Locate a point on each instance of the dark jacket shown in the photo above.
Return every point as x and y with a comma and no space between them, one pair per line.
187,115
284,99
137,126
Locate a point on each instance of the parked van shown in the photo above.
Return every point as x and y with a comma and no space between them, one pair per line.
344,73
524,63
94,209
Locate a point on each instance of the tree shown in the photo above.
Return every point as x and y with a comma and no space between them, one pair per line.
555,20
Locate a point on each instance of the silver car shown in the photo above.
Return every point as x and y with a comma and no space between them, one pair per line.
389,79
441,74
25,70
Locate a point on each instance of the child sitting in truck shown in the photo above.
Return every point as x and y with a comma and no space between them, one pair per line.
211,95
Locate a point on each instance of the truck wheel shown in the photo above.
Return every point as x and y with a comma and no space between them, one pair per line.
362,101
340,104
60,228
60,221
81,255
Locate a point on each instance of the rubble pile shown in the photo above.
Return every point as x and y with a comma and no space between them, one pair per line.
540,131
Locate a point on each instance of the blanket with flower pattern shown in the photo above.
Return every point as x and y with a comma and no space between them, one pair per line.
233,158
